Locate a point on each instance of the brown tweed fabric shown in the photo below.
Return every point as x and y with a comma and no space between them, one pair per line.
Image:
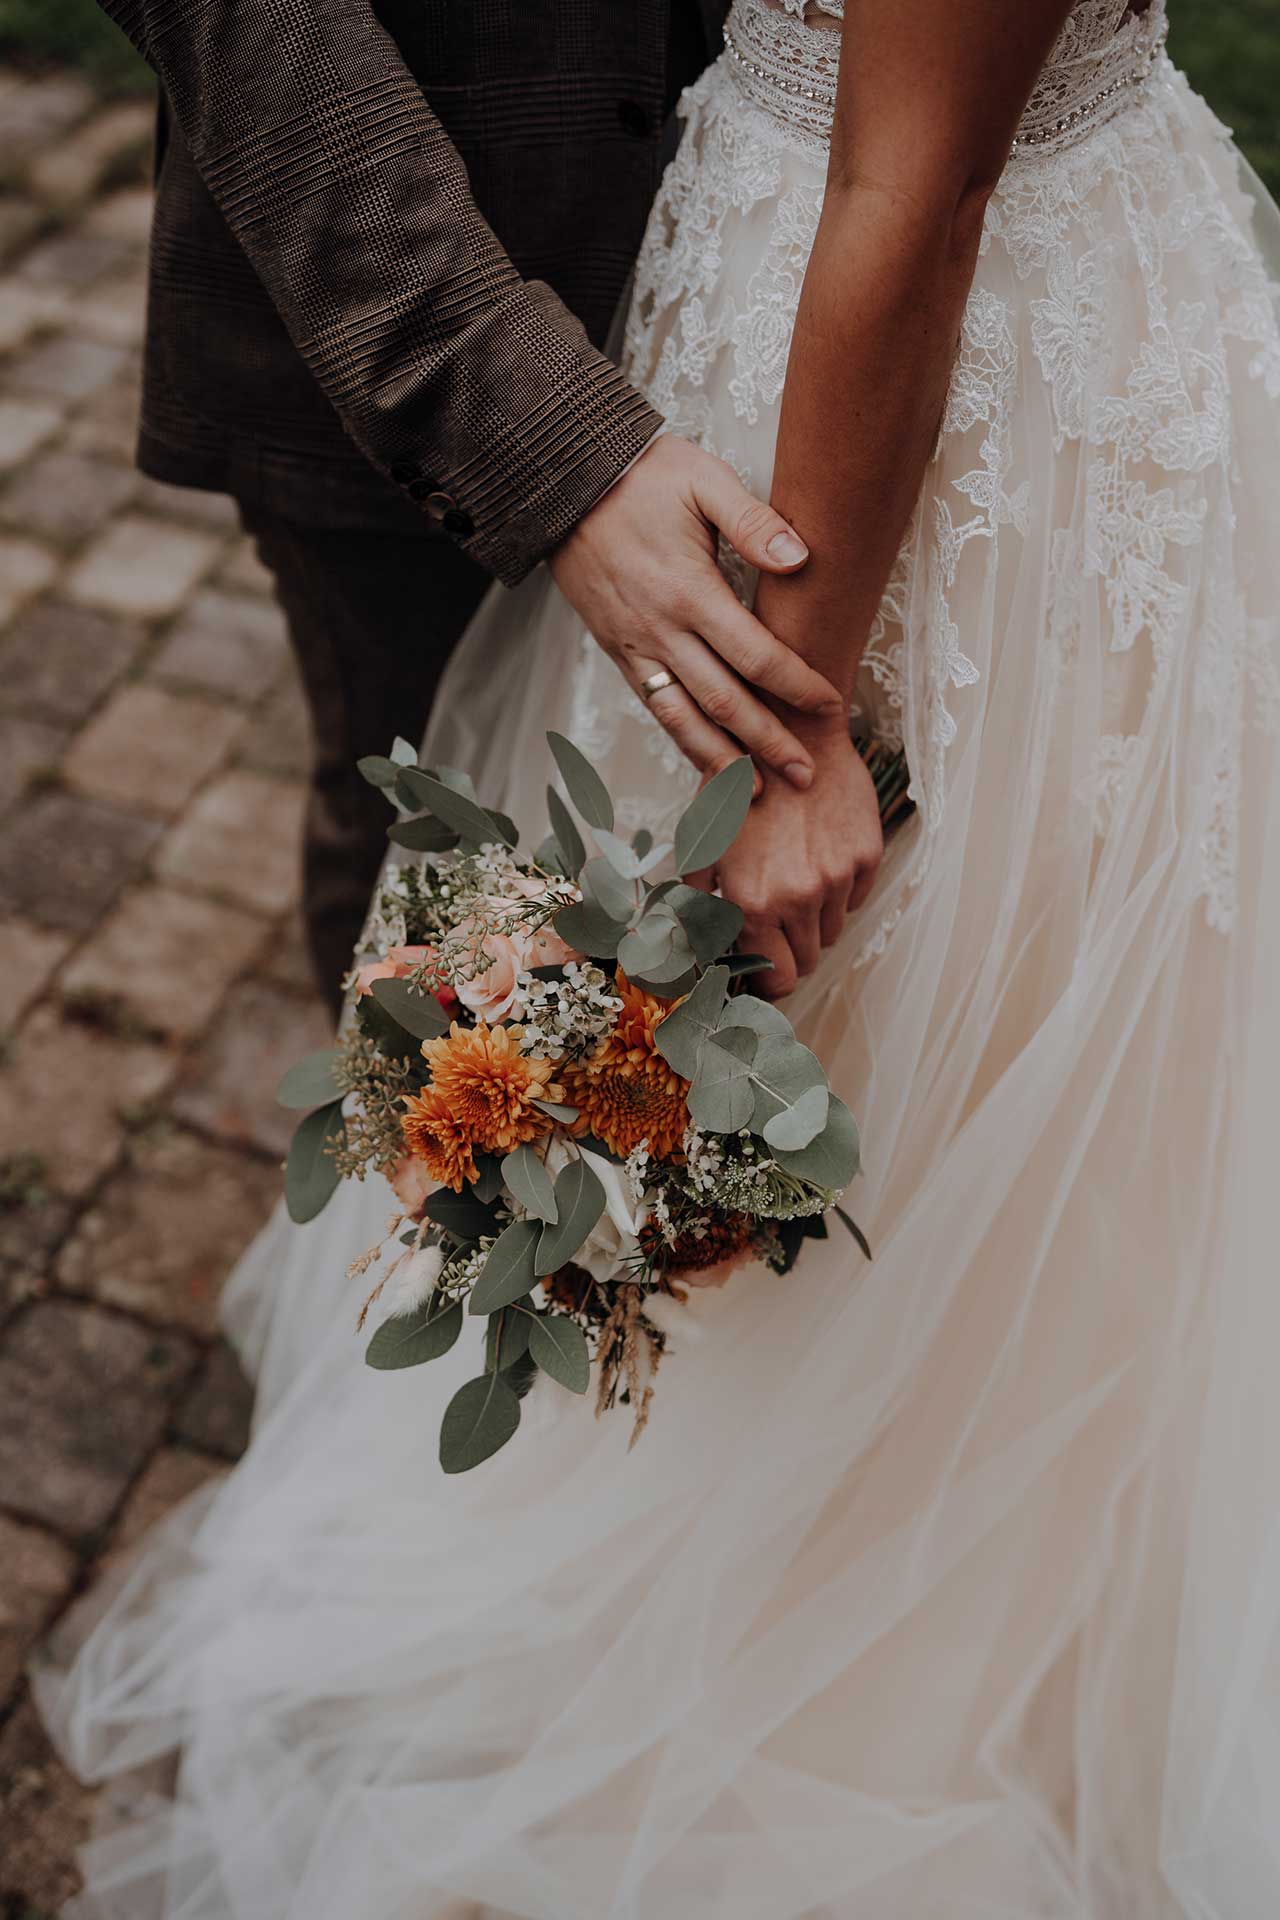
333,253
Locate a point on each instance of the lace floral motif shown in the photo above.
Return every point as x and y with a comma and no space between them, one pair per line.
1089,225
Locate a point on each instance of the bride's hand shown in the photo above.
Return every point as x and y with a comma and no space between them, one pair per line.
641,571
803,862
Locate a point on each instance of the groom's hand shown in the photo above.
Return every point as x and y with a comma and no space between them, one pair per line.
641,571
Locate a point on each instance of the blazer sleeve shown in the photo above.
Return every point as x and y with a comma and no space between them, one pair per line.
475,390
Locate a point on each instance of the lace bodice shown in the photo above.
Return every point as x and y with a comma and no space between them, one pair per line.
788,63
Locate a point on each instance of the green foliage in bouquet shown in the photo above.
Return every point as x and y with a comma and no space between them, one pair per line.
557,1061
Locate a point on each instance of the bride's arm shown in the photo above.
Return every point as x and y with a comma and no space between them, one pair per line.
929,100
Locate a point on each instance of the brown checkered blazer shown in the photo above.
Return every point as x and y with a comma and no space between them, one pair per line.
390,237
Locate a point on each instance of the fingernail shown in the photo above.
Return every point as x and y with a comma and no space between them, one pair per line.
787,548
799,774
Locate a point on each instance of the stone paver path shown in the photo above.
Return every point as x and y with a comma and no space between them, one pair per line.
153,753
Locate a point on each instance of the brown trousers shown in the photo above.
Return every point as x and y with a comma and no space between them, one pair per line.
373,618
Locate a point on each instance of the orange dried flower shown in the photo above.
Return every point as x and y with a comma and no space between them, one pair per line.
625,1091
721,1240
489,1086
433,1135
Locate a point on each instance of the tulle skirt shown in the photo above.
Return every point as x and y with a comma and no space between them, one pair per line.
944,1586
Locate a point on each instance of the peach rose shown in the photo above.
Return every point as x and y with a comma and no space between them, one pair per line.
490,995
411,1183
549,950
397,965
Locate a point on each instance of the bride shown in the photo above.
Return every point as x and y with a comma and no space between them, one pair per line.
954,1590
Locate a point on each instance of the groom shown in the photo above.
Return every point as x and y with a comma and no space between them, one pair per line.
390,237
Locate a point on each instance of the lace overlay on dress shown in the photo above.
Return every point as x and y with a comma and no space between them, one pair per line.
1089,223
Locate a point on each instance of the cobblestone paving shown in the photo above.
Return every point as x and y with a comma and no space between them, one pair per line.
153,753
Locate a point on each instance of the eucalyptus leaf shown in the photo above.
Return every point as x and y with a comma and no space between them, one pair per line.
744,1010
548,856
832,1159
531,1184
587,927
559,1346
573,851
580,1200
310,1173
385,1031
680,1035
457,811
310,1082
509,1271
711,924
455,778
504,826
801,1122
566,1115
506,1337
404,795
585,787
642,842
464,1214
627,859
521,1376
411,1339
856,1231
604,887
480,1418
487,1184
418,1013
666,989
624,859
423,835
403,753
378,770
741,964
783,1071
722,1097
713,819
657,948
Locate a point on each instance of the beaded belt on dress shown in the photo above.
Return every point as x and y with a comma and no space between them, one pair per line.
789,67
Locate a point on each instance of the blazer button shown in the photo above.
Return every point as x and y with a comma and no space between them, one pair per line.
633,119
422,489
403,474
458,523
438,504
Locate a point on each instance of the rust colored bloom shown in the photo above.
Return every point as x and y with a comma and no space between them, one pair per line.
489,1086
625,1091
723,1239
433,1135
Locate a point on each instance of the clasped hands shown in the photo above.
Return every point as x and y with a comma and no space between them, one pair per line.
641,571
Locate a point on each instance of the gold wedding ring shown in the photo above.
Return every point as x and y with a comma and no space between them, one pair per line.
655,683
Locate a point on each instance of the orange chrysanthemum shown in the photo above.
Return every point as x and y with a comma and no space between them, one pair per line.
489,1086
625,1091
433,1135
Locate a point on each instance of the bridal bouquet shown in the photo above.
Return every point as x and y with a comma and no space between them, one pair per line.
555,1060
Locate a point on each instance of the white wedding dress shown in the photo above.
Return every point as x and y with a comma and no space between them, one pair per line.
944,1588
